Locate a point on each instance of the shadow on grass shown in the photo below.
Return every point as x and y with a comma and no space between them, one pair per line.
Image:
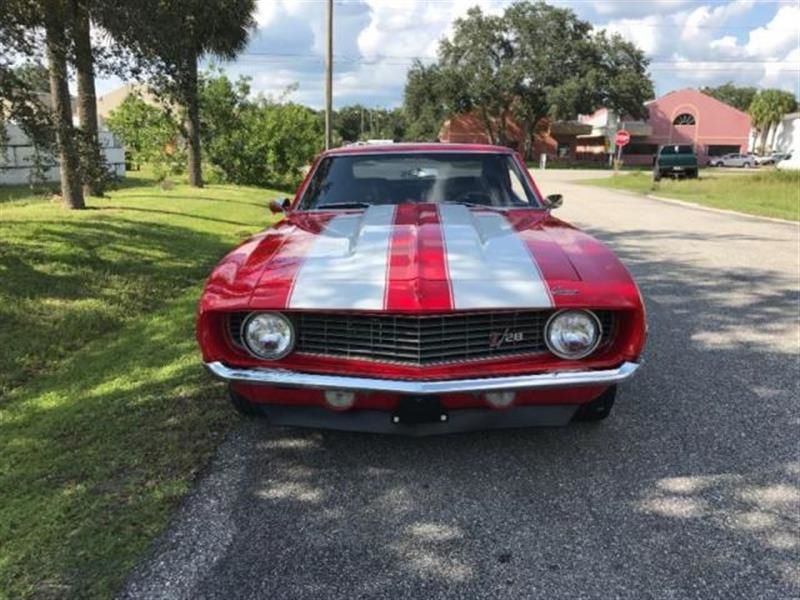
95,456
201,197
172,212
72,281
11,193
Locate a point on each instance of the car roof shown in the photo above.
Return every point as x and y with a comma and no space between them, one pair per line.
408,147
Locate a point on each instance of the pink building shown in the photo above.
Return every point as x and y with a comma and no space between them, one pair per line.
681,117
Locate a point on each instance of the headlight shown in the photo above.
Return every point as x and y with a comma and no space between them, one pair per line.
268,335
573,334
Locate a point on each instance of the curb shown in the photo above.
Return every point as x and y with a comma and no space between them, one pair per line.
721,210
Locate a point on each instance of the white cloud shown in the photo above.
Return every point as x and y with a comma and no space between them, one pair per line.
784,74
697,46
414,27
633,8
689,42
726,43
779,36
644,32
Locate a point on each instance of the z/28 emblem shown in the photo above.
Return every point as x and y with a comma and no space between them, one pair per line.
498,339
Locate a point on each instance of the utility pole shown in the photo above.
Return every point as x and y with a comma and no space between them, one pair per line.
328,73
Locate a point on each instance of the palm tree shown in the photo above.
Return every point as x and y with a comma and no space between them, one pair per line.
768,109
87,99
170,36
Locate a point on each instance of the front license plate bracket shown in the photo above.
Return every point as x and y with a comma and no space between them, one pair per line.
416,410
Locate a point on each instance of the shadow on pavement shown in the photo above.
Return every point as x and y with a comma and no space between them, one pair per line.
690,490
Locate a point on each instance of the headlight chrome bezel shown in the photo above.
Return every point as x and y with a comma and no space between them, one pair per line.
583,354
244,337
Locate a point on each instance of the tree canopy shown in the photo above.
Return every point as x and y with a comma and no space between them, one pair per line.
531,62
169,37
738,97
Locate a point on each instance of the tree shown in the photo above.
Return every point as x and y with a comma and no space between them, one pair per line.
56,21
768,109
22,24
22,77
170,38
424,102
732,95
149,133
350,122
533,62
477,70
223,104
281,139
34,76
93,169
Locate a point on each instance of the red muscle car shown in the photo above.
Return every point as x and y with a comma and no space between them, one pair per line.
421,288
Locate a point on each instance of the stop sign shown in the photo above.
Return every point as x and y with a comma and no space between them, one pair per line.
622,137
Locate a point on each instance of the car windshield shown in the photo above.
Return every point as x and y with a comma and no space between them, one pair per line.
361,180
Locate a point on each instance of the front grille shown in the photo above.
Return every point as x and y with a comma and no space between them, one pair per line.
421,340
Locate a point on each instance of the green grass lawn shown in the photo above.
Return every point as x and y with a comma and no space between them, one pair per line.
767,193
105,411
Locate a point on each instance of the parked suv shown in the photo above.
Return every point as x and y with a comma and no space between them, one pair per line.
733,160
677,160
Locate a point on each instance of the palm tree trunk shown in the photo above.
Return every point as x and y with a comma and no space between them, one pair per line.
87,101
193,125
56,43
764,134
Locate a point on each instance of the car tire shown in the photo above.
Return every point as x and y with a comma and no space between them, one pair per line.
599,408
692,174
242,405
747,165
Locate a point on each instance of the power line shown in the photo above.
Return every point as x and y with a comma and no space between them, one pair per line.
398,59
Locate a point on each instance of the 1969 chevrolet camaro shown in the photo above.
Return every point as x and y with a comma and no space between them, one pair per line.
421,289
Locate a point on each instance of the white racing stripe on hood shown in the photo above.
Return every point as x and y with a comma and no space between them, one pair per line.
489,265
346,266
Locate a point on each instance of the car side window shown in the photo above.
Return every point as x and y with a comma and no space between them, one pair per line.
517,187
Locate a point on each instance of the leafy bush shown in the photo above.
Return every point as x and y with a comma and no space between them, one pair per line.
150,134
265,142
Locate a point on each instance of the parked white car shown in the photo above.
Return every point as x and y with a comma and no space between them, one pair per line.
772,159
733,160
790,163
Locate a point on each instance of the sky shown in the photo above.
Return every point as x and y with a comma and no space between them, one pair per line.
691,43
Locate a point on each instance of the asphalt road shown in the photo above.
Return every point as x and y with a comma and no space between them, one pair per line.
690,490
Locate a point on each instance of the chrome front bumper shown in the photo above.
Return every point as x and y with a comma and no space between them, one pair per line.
280,377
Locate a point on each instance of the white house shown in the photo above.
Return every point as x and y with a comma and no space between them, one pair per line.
786,135
17,161
783,137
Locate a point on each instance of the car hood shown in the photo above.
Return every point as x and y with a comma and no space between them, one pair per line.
422,258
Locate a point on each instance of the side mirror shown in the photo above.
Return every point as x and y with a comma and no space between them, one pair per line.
280,205
554,200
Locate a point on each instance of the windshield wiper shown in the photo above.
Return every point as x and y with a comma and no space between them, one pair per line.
344,205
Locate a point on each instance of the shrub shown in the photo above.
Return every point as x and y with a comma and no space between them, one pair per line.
150,134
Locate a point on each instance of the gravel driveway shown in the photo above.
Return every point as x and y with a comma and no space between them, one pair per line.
690,490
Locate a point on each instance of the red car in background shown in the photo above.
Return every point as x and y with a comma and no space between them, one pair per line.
419,289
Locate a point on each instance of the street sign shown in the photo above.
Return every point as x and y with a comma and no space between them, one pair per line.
622,137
